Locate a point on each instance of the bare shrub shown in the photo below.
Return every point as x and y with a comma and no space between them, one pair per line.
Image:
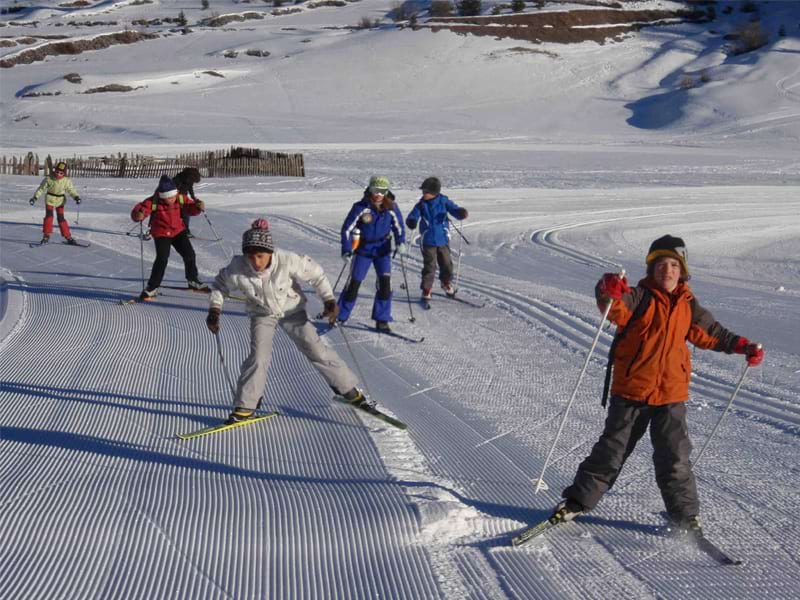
230,54
751,37
470,8
73,78
259,53
111,87
749,6
441,8
366,23
686,82
518,5
705,77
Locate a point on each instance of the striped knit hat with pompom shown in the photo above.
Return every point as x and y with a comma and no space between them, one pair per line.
258,238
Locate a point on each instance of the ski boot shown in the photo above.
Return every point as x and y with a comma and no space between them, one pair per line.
197,286
72,242
566,511
449,290
45,238
382,326
148,295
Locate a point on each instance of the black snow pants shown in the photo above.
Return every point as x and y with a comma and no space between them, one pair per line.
163,245
431,255
625,425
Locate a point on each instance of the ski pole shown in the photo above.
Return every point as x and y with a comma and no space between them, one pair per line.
335,285
540,482
216,236
78,216
224,366
724,412
408,294
463,237
458,264
355,362
141,250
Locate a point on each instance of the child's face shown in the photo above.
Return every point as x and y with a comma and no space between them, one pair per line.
667,273
428,196
259,260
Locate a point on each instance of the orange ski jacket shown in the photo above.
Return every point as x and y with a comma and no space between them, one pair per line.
652,363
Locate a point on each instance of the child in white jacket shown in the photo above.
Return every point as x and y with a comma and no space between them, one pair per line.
269,279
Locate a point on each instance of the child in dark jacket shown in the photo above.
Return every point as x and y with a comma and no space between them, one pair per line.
185,181
168,230
432,212
651,372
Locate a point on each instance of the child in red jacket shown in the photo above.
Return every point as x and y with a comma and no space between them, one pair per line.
166,226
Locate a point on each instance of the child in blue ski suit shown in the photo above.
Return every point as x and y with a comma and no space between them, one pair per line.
432,212
377,218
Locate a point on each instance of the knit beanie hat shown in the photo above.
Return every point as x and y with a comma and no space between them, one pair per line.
258,238
431,185
166,187
672,247
378,183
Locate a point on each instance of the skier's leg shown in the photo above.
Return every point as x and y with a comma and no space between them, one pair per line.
323,358
382,305
671,451
184,247
349,295
428,267
597,473
445,265
163,245
63,226
253,375
47,224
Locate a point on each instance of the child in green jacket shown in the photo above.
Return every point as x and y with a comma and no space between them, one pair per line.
57,185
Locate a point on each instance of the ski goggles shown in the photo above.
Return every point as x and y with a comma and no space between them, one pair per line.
378,191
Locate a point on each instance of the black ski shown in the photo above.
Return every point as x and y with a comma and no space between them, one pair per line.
205,290
462,300
371,410
399,336
37,244
389,333
712,550
77,243
136,300
698,538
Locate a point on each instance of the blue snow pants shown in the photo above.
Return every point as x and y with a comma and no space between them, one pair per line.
382,305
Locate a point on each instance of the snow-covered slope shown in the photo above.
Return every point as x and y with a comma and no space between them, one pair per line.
569,165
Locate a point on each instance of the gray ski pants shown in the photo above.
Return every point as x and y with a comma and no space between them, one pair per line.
625,425
431,255
253,376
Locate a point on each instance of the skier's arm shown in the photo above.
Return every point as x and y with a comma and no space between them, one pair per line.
349,224
192,206
455,210
41,189
705,332
398,227
223,283
69,188
307,269
413,217
144,208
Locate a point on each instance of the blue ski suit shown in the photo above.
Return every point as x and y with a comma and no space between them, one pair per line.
377,225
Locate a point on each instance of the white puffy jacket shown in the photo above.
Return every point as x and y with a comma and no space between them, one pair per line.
274,291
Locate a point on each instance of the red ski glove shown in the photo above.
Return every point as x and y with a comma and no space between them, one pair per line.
753,353
613,286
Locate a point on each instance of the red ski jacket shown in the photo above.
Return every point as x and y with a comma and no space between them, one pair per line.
165,218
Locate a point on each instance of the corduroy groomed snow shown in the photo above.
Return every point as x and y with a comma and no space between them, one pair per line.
166,187
672,247
258,237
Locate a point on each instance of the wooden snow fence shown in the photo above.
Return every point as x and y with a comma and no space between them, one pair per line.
236,162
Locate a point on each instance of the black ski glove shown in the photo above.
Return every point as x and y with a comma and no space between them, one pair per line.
212,320
77,199
32,201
